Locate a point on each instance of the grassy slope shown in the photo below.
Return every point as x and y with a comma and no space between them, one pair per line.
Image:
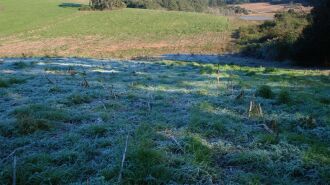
45,21
21,16
184,125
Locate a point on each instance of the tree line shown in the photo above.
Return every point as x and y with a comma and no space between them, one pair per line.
178,5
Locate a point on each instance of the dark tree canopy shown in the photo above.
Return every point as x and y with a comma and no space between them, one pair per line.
313,47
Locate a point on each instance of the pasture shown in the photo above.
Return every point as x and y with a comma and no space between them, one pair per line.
58,28
68,120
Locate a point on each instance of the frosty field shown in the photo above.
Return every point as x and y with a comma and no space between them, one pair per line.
66,121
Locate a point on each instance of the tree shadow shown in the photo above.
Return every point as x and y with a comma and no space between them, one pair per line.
235,59
70,5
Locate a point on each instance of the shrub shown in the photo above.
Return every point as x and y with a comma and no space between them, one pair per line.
273,39
107,4
265,91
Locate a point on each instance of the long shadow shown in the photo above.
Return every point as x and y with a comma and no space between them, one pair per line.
235,59
70,5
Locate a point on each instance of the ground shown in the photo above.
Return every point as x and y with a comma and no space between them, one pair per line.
66,120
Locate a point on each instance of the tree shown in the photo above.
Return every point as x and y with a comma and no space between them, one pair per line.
313,47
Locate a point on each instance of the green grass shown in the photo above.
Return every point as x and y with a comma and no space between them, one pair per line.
183,125
21,16
119,33
54,21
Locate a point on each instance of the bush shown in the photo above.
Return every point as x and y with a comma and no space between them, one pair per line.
107,4
178,5
273,39
265,91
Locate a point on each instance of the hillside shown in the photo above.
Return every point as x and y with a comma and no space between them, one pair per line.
120,33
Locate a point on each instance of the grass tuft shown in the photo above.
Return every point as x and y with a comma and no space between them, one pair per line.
3,83
284,97
36,117
77,99
197,146
265,91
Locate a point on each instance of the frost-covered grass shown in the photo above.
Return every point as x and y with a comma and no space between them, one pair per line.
187,123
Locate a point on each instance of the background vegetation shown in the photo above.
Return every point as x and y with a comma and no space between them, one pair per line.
294,36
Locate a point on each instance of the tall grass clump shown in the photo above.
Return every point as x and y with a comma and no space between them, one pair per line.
284,97
77,99
203,120
146,164
202,153
265,91
3,83
37,117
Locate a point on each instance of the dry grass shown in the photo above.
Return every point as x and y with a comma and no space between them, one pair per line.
268,9
99,47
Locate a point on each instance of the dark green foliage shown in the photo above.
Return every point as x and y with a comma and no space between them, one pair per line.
273,39
325,100
16,81
3,83
6,83
37,117
76,99
146,165
179,5
6,129
201,152
265,91
38,169
284,97
95,130
313,45
20,65
106,4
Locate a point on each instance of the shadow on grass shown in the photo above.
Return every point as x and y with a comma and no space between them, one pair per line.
70,5
235,59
